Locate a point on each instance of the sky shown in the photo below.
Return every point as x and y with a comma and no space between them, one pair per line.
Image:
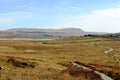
89,15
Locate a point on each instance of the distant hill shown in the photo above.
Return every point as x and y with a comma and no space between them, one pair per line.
32,33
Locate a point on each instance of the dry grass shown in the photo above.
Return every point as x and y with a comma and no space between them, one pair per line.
78,72
115,45
47,55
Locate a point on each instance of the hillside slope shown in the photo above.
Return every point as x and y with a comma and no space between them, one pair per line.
33,33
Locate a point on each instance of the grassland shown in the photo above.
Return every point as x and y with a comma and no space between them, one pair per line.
49,55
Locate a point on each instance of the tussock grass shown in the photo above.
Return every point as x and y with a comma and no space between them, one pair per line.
77,72
47,56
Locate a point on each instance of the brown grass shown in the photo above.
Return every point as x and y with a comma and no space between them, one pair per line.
49,53
78,72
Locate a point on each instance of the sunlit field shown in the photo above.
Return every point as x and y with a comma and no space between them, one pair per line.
48,59
115,45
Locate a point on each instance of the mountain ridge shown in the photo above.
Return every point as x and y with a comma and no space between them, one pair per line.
36,33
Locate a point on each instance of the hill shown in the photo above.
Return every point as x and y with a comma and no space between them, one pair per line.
33,33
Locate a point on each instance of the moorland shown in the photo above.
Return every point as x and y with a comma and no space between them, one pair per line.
50,59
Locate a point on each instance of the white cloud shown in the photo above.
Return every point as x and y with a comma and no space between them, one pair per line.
74,9
107,20
64,2
16,16
113,12
7,21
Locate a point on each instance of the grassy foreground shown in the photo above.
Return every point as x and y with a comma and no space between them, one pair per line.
51,56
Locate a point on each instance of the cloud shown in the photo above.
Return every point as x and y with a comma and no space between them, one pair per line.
6,21
18,15
113,12
64,2
17,18
75,8
107,20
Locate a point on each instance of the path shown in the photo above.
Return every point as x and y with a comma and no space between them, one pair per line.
107,52
102,75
